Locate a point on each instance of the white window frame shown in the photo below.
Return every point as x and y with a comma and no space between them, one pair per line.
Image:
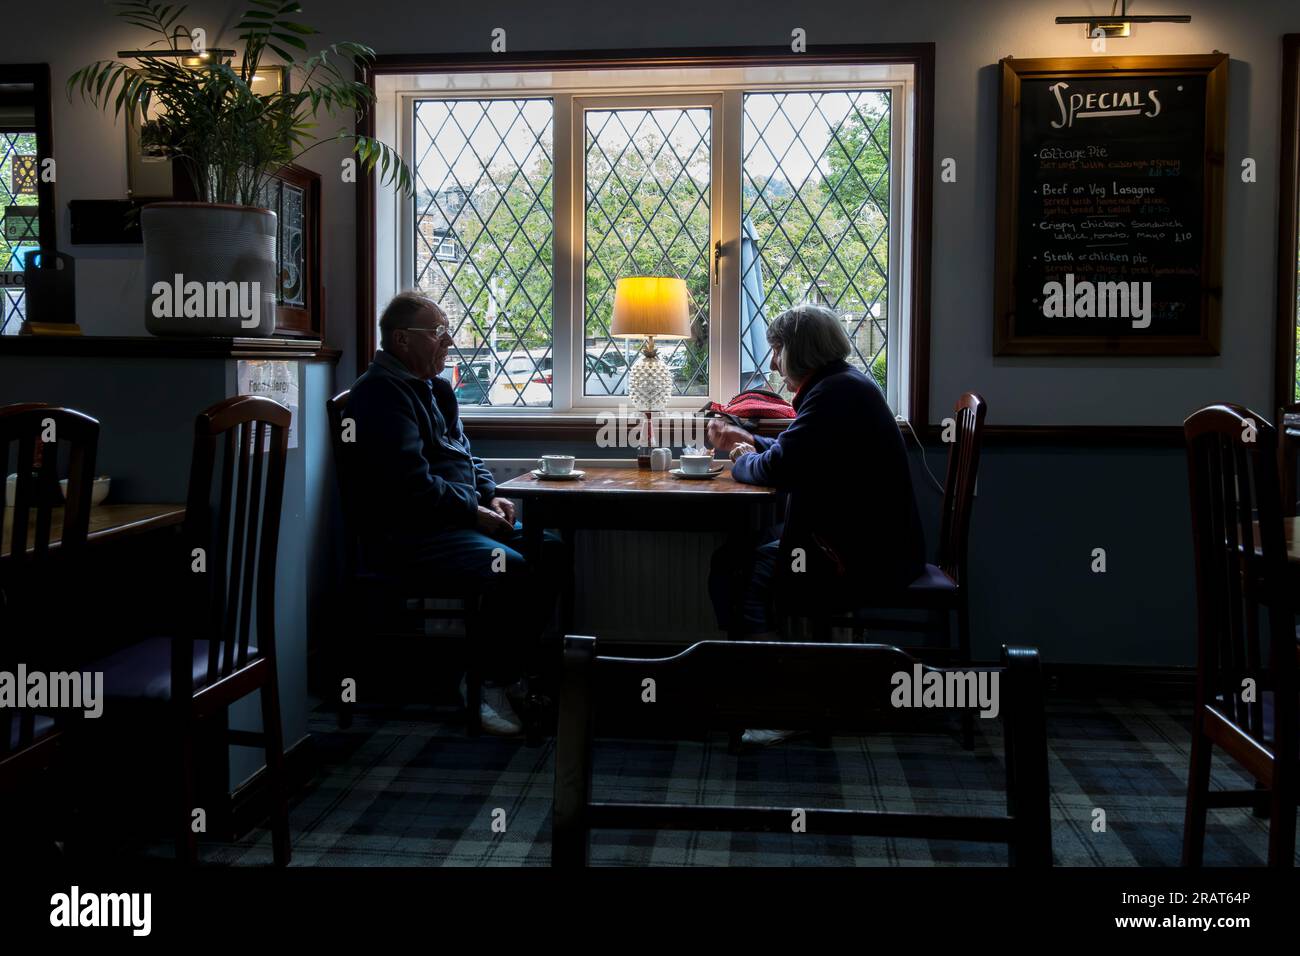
578,107
573,92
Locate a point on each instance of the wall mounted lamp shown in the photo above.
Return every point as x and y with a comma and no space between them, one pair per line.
1119,24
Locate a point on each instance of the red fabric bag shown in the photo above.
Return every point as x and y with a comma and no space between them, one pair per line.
747,408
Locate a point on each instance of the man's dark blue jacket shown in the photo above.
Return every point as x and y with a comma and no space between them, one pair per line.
416,472
844,464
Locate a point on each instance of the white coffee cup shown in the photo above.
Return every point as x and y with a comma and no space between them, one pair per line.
555,464
696,464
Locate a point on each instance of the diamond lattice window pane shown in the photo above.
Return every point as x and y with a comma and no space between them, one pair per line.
647,210
815,220
484,220
19,171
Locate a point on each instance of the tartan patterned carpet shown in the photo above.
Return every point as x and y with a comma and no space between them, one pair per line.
407,788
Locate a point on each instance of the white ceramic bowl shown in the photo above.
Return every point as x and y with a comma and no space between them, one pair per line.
98,492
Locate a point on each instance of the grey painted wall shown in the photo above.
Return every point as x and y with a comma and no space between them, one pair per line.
1041,510
969,38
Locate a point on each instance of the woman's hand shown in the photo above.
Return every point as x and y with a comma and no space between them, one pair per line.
724,436
741,448
504,507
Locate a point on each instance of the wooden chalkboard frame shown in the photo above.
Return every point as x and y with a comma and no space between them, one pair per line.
1214,67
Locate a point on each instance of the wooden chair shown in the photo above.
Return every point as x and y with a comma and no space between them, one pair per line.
29,741
376,602
942,590
38,491
816,687
1241,566
227,651
1288,447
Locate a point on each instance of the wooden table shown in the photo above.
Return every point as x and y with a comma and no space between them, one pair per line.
634,499
107,522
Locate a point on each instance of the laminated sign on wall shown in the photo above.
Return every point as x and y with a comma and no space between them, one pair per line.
276,380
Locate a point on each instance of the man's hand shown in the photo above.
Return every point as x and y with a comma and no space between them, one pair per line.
492,523
724,436
504,507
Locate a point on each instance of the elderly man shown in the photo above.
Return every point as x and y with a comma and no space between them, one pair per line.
855,547
430,507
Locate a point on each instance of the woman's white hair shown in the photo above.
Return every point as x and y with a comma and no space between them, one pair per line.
811,337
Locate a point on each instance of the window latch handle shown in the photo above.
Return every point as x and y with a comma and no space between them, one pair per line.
717,256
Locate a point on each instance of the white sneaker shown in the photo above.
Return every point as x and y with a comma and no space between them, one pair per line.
496,716
766,738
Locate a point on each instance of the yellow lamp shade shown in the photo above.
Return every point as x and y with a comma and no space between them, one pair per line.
651,305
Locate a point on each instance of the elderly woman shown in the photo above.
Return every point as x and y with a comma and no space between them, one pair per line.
851,508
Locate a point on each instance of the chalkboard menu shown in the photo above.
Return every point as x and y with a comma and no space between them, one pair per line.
1110,186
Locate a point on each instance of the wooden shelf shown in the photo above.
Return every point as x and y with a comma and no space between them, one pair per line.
148,346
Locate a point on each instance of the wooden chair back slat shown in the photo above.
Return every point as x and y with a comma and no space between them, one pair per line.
203,463
257,437
47,486
24,494
273,502
959,485
238,526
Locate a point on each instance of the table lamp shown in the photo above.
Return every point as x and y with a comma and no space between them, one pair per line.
653,306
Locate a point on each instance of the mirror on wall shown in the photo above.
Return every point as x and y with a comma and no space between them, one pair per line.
27,177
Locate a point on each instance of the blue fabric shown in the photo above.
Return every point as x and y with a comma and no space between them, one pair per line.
418,474
843,462
519,595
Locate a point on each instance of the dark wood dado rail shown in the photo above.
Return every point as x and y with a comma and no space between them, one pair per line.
148,346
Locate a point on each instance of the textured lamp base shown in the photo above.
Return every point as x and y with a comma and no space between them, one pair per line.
650,383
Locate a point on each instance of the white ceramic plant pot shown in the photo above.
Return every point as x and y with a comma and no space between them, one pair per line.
209,269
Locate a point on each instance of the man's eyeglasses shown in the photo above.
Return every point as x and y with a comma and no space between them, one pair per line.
440,333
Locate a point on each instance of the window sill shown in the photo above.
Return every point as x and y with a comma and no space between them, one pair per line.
558,425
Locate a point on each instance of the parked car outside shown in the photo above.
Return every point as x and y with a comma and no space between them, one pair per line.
526,376
470,380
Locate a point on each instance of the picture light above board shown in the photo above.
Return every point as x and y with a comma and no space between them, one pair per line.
1110,205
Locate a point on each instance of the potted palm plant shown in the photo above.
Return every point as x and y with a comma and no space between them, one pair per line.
210,266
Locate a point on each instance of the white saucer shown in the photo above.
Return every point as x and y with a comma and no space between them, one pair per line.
571,476
713,473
